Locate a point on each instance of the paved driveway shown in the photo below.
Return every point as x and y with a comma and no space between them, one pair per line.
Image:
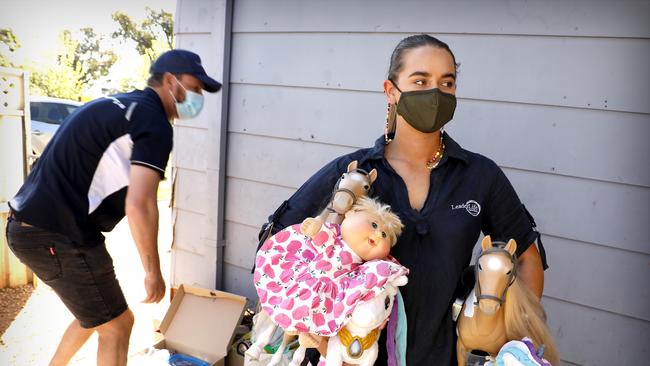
34,335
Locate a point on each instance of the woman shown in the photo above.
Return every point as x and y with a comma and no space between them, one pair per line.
445,195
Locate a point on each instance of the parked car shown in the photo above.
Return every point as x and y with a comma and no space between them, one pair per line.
47,114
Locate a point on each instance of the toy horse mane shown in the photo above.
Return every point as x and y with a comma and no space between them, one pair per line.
523,313
525,317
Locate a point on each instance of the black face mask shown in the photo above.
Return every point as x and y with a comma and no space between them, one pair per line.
426,110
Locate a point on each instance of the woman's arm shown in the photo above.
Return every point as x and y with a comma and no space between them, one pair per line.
530,270
505,219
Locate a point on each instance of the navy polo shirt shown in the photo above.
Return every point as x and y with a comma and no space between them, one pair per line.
468,194
78,186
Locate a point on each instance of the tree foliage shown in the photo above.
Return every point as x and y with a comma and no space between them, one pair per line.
157,23
78,63
82,58
162,20
9,42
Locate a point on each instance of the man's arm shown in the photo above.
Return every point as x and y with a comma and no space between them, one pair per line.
141,209
530,270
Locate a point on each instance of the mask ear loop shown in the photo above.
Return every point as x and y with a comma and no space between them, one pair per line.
172,94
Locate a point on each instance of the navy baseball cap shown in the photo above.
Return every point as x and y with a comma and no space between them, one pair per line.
184,62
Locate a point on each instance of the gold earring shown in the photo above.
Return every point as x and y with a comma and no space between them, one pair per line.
389,129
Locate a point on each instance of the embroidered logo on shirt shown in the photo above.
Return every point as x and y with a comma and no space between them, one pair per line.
471,206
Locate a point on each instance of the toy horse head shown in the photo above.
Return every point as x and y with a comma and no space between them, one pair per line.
372,313
496,270
354,183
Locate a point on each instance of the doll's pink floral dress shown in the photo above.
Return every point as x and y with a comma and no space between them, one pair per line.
313,285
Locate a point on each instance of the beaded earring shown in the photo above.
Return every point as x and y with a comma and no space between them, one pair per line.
389,130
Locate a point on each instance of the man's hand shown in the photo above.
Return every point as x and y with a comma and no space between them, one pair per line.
154,284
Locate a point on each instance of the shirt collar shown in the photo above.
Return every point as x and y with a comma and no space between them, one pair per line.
452,149
154,95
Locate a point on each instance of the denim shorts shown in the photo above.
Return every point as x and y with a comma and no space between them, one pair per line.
82,276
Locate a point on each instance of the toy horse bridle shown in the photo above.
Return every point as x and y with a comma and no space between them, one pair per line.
345,190
511,277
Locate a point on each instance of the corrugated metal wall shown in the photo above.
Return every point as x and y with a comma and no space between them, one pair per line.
556,92
202,26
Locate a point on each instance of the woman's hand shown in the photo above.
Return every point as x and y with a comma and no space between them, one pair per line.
311,226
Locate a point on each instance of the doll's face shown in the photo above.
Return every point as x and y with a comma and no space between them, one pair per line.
366,234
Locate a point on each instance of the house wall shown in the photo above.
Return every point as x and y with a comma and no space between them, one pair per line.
555,92
202,26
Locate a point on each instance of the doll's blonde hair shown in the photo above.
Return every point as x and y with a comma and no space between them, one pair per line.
391,222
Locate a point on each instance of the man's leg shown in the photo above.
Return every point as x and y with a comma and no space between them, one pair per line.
84,279
73,338
114,340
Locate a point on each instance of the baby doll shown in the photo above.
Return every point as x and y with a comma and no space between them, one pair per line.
311,283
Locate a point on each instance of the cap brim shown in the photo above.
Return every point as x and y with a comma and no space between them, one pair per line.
209,84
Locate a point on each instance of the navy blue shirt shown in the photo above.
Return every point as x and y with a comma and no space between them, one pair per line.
79,184
468,194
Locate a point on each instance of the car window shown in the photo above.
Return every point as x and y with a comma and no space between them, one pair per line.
68,109
54,113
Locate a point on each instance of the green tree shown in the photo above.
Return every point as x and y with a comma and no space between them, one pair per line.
78,64
8,43
162,20
156,25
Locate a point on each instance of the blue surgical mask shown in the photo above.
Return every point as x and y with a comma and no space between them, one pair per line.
191,106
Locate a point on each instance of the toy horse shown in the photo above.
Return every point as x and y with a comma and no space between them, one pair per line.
506,309
356,342
353,184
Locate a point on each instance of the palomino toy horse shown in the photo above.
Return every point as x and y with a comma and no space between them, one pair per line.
506,309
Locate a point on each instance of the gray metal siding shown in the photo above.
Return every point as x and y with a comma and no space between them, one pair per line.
199,26
555,92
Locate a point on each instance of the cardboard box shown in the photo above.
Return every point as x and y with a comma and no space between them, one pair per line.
201,323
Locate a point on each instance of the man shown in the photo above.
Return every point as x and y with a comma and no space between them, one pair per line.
78,189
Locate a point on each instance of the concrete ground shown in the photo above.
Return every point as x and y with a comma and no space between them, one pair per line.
33,337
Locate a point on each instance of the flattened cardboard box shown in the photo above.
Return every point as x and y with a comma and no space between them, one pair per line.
201,323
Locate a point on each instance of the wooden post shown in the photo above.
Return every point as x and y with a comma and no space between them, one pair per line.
15,150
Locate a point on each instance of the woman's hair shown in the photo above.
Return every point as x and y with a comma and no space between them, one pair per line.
409,43
389,219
